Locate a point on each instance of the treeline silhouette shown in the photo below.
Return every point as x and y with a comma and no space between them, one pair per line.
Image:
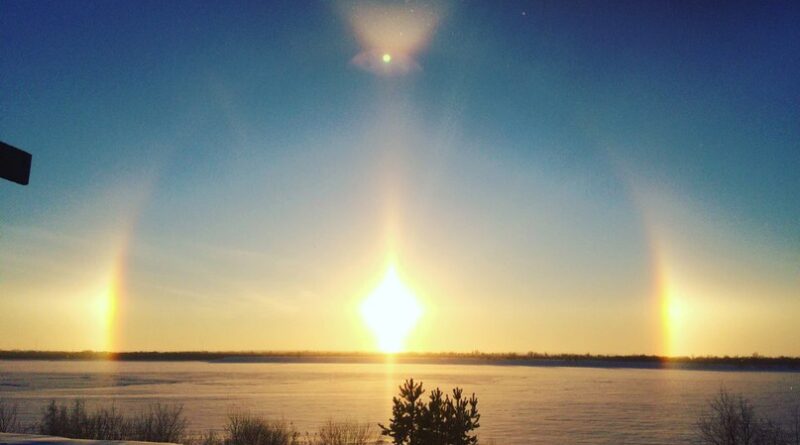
443,420
439,419
156,423
754,361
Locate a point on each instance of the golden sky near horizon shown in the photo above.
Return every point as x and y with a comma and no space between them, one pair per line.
396,177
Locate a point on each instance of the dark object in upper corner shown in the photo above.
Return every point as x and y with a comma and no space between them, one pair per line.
15,164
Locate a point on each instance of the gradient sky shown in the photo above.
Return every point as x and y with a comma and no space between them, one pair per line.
604,177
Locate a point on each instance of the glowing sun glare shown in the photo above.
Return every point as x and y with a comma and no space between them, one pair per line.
391,311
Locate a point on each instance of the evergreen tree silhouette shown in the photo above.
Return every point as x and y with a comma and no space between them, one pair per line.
443,421
404,426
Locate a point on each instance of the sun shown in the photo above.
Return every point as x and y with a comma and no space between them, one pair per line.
386,58
391,311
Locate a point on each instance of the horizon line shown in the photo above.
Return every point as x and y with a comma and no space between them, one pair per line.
508,355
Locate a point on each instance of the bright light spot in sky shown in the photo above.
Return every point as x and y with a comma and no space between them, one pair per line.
674,321
391,35
675,311
391,311
103,307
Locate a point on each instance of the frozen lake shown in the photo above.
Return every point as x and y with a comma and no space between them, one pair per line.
518,404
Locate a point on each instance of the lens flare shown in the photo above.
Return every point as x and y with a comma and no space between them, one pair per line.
391,35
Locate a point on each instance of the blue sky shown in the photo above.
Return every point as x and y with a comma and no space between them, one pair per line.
546,165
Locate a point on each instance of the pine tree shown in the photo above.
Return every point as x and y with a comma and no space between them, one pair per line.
443,421
462,417
404,426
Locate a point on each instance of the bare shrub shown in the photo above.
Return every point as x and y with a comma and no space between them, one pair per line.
55,421
8,417
248,429
793,435
106,423
157,423
343,433
208,438
731,420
